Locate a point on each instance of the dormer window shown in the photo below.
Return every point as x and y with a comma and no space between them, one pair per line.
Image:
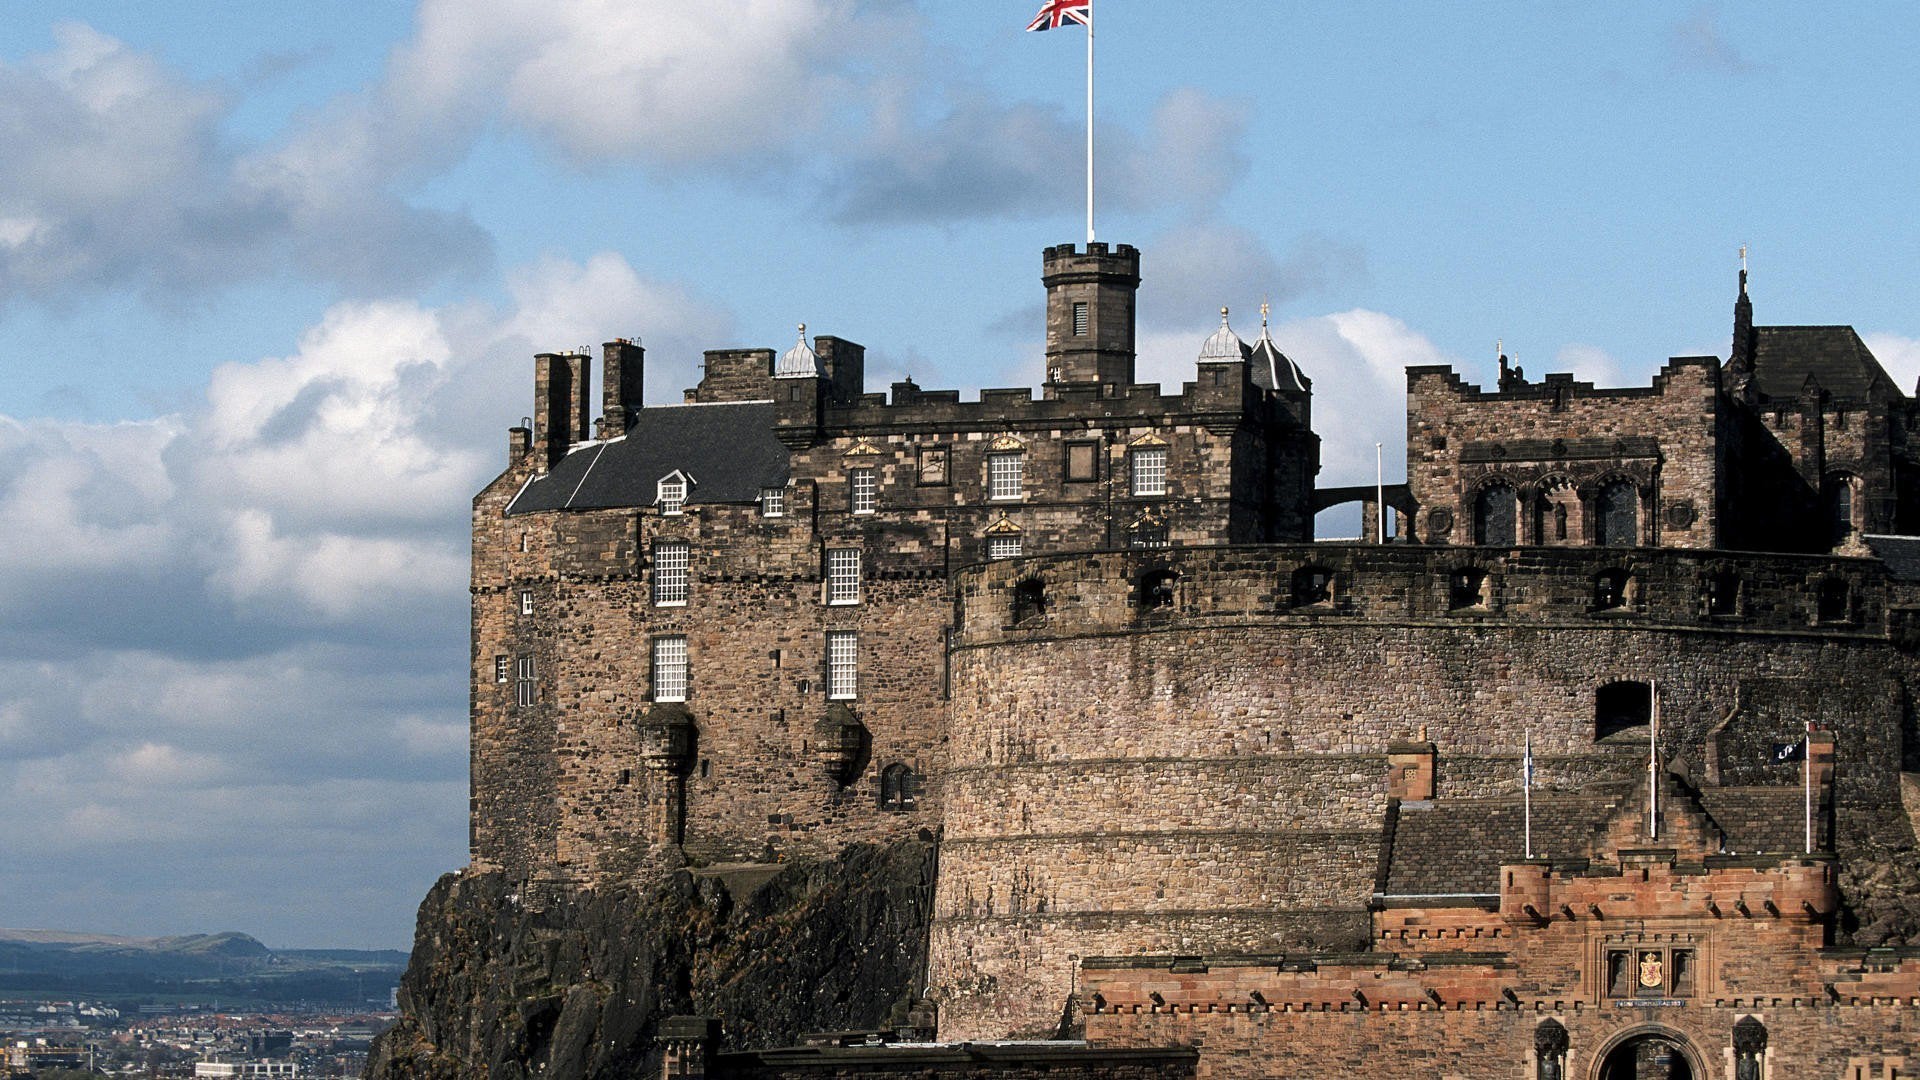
671,494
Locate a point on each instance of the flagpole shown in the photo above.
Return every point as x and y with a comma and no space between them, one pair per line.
1379,494
1653,764
1806,773
1089,122
1527,774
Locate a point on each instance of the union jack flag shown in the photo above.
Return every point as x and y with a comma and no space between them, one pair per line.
1058,13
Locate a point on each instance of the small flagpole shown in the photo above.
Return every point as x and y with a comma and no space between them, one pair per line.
1527,774
1653,765
1089,121
1379,493
1806,772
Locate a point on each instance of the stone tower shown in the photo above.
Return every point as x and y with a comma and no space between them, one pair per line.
1090,319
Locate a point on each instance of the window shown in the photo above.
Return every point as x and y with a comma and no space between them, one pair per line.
524,540
1833,604
1080,319
1723,593
1148,470
501,668
773,502
898,788
670,668
843,576
1029,600
1617,515
843,664
863,490
1839,509
671,494
1609,590
1005,473
1467,588
1157,588
670,559
1003,547
1081,457
526,601
1622,707
1312,585
524,687
1496,511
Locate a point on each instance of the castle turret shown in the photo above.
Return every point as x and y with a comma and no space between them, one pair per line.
1090,316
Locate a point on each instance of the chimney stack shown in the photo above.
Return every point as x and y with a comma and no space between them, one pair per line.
622,372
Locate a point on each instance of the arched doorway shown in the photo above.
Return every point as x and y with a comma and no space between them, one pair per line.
1650,1053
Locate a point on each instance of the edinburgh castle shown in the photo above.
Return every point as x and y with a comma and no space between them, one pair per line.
826,733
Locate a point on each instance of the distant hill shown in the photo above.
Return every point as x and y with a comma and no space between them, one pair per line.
228,965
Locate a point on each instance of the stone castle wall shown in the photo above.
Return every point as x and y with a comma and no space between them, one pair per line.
1535,437
1212,775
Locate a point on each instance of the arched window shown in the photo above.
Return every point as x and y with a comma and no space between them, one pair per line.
1621,707
1610,590
899,788
1496,516
1839,498
1467,588
1156,588
1029,600
1834,601
1539,520
1312,585
1617,515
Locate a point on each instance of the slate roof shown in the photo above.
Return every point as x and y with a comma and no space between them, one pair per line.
728,449
1834,355
1900,553
1456,846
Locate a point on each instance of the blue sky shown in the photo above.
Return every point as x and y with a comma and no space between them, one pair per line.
271,277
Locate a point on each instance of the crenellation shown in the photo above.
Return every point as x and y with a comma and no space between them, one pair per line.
1627,678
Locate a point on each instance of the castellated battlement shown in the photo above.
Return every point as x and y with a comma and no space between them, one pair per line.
1328,585
1201,751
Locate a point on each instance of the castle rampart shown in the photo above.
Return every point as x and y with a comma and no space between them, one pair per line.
1191,750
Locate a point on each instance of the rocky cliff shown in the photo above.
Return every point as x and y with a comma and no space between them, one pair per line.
509,980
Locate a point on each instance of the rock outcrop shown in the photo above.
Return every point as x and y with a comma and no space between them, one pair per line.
511,980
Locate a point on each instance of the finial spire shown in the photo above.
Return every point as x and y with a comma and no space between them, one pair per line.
803,331
1223,314
1264,306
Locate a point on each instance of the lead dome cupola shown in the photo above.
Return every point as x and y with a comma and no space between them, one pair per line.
799,362
1224,345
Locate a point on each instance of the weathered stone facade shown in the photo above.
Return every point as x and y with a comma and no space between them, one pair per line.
1084,642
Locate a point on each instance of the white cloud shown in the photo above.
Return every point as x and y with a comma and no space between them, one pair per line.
118,172
1899,355
1589,363
261,601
